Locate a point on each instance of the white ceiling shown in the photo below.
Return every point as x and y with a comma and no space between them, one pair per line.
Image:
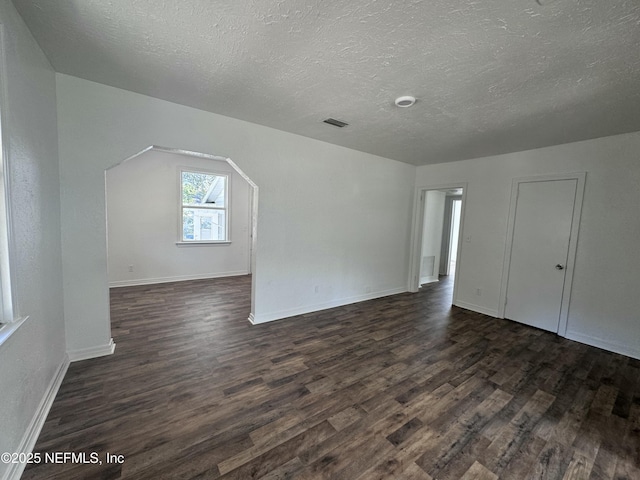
490,76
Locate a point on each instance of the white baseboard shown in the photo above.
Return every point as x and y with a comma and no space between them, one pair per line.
426,280
252,319
270,317
477,308
632,351
91,352
35,426
178,278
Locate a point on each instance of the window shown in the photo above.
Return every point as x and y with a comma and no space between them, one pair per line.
8,323
6,300
204,207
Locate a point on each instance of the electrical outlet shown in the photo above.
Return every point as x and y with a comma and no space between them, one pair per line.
131,268
478,292
316,289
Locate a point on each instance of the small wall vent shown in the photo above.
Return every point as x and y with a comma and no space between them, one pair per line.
335,123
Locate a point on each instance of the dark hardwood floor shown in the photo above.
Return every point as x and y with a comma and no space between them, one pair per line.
404,387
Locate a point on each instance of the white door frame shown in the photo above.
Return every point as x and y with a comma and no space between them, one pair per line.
573,241
417,227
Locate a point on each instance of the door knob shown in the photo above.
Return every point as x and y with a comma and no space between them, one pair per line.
559,267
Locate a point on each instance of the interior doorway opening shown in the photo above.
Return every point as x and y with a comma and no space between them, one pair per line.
152,233
450,234
437,234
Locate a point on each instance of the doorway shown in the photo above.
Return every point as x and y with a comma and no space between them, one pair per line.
451,232
539,259
150,238
435,253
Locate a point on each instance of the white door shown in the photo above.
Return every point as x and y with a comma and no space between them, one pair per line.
539,252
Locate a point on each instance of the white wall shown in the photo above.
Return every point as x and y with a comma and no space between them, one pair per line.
432,235
328,217
34,355
143,216
604,302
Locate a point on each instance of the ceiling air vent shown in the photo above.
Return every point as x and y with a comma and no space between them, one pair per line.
335,123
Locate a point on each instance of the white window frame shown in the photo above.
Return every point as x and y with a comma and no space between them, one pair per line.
9,322
226,208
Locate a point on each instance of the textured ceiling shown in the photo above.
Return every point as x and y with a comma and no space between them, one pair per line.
490,76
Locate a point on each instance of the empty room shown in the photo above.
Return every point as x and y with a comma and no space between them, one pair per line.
320,240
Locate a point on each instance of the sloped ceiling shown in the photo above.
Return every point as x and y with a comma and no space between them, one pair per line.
490,76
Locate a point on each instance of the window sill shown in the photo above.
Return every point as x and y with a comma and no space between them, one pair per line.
8,329
182,244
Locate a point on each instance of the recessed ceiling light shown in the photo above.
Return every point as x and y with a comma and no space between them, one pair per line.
406,101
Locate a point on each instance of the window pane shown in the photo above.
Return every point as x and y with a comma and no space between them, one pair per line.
203,189
200,224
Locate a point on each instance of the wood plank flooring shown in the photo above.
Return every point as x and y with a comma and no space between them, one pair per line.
404,387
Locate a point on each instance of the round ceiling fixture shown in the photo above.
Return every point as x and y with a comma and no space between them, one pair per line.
406,101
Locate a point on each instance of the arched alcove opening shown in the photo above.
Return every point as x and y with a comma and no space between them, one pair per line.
152,236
